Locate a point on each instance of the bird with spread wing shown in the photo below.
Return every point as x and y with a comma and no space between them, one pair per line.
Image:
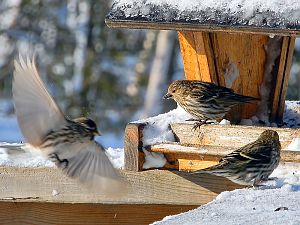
69,143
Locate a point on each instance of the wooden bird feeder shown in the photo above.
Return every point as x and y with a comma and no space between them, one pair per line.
255,47
248,52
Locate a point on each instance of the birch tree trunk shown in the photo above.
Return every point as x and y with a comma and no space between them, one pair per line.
158,73
78,22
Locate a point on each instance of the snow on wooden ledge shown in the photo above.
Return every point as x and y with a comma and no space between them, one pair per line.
169,136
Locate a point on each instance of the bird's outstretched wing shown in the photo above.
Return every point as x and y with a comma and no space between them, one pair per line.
36,111
88,163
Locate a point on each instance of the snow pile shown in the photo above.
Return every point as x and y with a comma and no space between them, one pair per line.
291,116
116,156
158,131
20,155
158,127
294,145
275,203
224,122
154,160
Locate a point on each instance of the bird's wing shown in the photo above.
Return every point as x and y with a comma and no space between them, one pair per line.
36,111
256,151
88,163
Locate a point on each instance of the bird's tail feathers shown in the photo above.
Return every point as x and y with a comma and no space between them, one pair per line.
246,99
216,169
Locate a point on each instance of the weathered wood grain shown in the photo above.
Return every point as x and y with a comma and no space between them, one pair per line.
228,135
133,147
146,187
16,213
283,78
246,53
197,55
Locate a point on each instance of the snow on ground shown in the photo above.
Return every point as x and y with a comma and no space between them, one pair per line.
275,203
20,155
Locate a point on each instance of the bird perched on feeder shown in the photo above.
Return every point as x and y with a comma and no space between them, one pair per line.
252,163
203,100
67,142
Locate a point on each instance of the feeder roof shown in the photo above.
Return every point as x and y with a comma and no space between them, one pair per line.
253,16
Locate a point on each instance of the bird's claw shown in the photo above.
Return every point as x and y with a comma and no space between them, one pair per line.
58,162
198,124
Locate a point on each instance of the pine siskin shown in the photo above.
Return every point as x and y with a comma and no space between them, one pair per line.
69,143
252,163
205,101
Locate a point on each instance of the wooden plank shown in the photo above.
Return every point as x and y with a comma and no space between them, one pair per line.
290,42
197,56
228,135
279,80
195,157
133,24
16,213
146,187
133,147
241,51
192,165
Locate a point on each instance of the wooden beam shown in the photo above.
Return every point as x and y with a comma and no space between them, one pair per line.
195,157
134,24
228,135
65,213
146,187
134,155
286,57
197,55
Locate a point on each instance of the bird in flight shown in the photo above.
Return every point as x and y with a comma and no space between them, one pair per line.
69,143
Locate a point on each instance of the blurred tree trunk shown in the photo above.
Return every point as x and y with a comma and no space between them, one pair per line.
158,73
9,14
78,23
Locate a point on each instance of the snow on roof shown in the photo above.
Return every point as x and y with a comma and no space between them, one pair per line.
275,14
275,203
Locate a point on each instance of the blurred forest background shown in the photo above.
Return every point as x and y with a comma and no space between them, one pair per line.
111,75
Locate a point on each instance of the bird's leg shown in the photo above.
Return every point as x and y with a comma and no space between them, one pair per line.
58,162
191,119
199,123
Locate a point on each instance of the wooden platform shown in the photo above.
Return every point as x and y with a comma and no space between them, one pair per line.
27,196
202,148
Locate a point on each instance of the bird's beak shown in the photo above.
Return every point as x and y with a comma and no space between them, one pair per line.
98,133
167,96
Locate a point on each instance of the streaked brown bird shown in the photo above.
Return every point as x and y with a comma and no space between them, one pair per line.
251,164
205,101
69,143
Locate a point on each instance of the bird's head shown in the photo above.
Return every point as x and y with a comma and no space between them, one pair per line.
269,135
176,90
89,125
